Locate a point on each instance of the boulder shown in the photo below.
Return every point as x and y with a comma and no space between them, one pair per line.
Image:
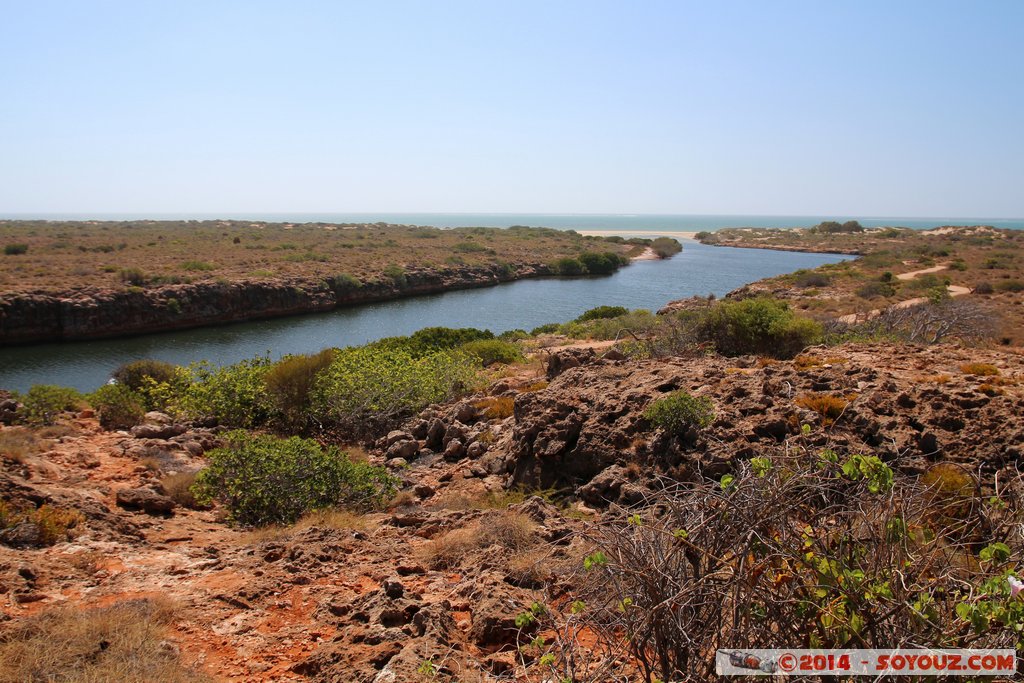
146,500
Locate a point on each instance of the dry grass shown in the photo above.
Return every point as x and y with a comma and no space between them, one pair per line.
536,386
57,431
530,569
979,369
178,487
495,407
990,390
830,408
333,518
510,530
809,361
55,524
65,254
931,379
17,444
125,642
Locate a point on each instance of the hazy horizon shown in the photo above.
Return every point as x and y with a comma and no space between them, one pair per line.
726,109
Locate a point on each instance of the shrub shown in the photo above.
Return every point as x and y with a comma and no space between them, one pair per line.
433,339
468,247
178,487
496,408
830,408
289,383
761,326
374,386
491,351
117,406
1010,286
810,278
346,282
665,247
514,335
265,480
55,524
132,276
397,275
851,558
568,266
600,264
44,402
984,288
134,374
548,328
196,266
678,412
981,369
15,249
602,312
127,641
234,395
17,443
870,290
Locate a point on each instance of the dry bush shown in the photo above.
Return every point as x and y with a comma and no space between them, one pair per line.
329,518
55,524
927,323
990,390
830,408
18,443
799,552
510,530
496,407
125,642
980,369
536,386
178,487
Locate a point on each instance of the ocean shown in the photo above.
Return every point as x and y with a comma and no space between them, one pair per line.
567,221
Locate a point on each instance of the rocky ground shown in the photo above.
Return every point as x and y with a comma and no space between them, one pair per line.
441,576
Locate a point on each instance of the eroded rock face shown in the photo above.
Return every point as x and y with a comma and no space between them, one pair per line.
147,500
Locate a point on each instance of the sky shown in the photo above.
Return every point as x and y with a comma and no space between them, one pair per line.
719,107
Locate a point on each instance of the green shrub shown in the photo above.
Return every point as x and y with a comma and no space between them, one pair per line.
15,249
117,406
1010,286
491,351
346,282
196,266
810,278
762,326
568,266
289,383
665,247
265,480
602,312
397,275
134,374
639,321
547,328
514,335
433,339
600,264
374,384
132,276
870,290
234,395
468,247
43,403
679,411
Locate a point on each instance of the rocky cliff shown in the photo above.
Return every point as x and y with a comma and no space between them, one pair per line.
96,313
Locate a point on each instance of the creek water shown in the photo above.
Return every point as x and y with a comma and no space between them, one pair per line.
524,304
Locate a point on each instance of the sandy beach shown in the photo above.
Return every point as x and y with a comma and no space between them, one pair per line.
680,234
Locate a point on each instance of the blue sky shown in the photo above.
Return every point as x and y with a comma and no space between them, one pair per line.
846,108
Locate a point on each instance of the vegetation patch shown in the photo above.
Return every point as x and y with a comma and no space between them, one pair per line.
49,524
980,369
830,408
679,412
124,642
265,480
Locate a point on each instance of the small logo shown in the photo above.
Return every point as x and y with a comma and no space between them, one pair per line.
746,660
